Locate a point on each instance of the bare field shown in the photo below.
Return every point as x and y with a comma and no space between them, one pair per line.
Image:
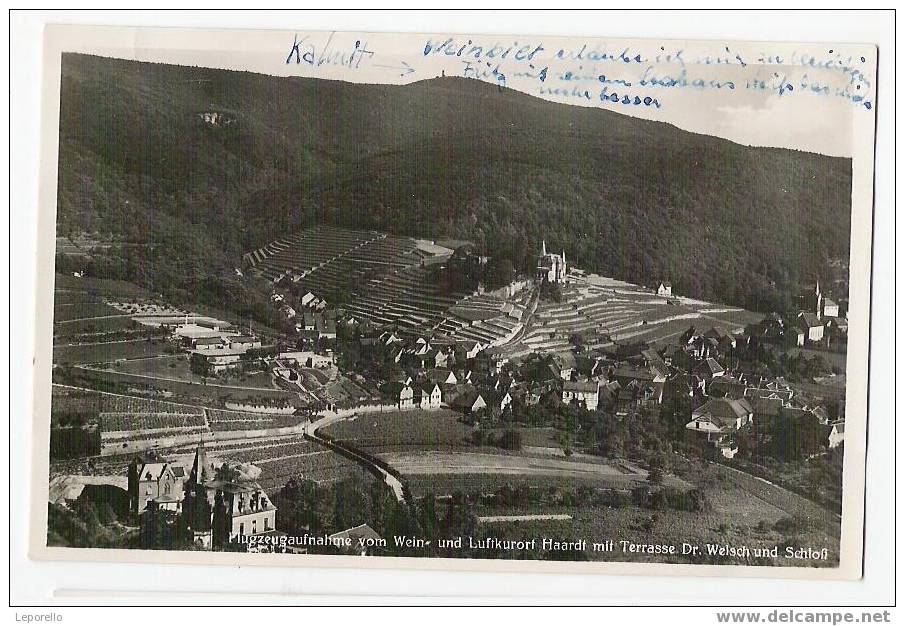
403,430
178,368
187,391
108,352
607,474
739,511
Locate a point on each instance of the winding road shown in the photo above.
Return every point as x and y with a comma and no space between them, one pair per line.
391,481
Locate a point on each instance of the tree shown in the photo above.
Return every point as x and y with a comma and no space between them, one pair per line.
655,476
550,291
199,365
510,440
500,273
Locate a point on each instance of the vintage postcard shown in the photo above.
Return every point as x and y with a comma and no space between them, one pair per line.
456,301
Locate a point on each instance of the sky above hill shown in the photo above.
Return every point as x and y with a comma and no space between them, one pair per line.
811,97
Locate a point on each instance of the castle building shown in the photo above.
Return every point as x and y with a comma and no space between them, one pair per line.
223,503
551,267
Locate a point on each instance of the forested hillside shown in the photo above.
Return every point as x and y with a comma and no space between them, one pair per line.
142,161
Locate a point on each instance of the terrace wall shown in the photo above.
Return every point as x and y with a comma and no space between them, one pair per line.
364,408
132,446
260,408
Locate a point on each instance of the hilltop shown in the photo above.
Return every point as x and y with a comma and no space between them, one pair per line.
202,165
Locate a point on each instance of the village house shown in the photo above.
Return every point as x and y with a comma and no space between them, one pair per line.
585,393
498,400
830,308
325,327
244,341
159,481
401,394
308,320
220,359
625,374
442,376
312,301
766,409
436,358
676,356
361,540
836,435
564,362
468,350
725,340
708,369
307,358
837,326
208,343
664,289
727,387
811,326
214,325
469,401
659,370
720,417
428,398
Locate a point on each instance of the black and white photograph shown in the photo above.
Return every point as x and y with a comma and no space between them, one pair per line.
547,301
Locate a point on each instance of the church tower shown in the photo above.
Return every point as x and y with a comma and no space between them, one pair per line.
197,506
551,267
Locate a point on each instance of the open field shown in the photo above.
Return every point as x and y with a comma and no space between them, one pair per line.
612,474
486,483
738,511
109,351
185,391
403,430
178,368
100,287
94,326
78,310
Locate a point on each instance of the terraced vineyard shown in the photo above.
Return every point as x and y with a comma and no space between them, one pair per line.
222,420
386,276
613,311
96,402
279,458
488,320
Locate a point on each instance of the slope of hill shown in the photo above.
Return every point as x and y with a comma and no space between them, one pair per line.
142,160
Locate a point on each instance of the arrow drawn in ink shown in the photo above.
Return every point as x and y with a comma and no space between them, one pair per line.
406,69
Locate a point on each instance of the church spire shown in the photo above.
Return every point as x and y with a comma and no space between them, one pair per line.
200,472
543,248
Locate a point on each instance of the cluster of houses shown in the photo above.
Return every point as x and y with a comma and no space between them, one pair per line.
737,403
313,319
618,380
818,318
